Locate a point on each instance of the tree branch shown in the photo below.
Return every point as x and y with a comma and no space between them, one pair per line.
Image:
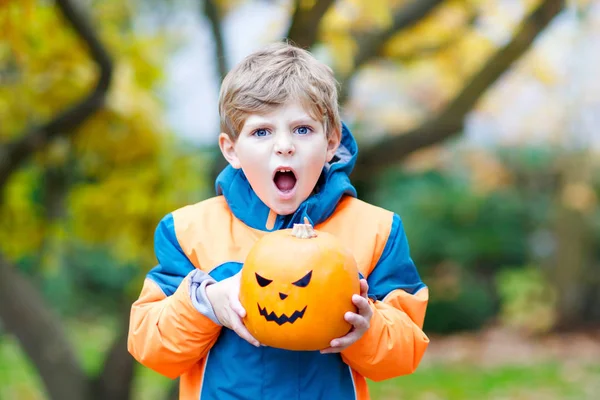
426,51
211,11
371,44
304,28
40,332
450,121
13,154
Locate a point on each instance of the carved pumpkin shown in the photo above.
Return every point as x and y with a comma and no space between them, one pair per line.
296,285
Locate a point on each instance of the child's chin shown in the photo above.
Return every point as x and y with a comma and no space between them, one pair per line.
285,208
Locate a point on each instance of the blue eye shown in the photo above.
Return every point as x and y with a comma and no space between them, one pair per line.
261,132
303,130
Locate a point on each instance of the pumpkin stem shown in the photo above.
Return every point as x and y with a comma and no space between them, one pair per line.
304,231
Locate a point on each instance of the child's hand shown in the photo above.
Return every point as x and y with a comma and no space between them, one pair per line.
224,298
360,321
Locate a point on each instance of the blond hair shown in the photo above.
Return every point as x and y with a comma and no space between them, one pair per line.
272,76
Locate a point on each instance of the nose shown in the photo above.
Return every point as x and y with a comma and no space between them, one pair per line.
282,296
284,145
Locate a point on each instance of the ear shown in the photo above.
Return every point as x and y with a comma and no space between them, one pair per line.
227,146
333,142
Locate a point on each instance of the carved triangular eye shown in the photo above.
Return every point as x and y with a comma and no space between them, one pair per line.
304,281
262,281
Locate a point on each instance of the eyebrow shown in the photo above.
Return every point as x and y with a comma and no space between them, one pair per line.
258,124
304,120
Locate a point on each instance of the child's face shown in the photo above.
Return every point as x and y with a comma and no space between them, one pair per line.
282,153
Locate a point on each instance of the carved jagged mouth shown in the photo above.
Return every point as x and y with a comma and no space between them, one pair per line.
282,319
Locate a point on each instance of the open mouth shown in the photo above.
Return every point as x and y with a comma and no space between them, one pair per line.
285,179
281,319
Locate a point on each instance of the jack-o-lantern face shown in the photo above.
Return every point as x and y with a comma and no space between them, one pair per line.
282,318
296,290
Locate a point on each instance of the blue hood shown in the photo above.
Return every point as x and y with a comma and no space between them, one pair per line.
332,185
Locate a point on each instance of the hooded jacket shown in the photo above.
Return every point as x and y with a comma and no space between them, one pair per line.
173,329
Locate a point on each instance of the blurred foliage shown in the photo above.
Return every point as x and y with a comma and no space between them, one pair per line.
91,203
431,61
119,168
528,300
485,225
457,238
551,379
475,220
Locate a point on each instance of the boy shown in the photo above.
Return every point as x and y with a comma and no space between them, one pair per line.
290,157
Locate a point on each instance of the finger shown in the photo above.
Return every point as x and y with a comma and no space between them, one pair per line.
362,304
238,327
364,288
345,341
244,334
331,350
358,321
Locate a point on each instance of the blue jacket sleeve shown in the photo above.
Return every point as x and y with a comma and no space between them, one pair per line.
395,268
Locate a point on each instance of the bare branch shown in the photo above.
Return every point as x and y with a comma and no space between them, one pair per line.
211,11
304,28
13,154
450,121
371,44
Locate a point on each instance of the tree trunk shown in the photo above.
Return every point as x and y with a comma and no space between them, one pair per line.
304,27
211,11
571,267
41,335
573,256
173,393
115,380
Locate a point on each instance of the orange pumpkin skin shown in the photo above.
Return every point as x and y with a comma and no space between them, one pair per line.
296,291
